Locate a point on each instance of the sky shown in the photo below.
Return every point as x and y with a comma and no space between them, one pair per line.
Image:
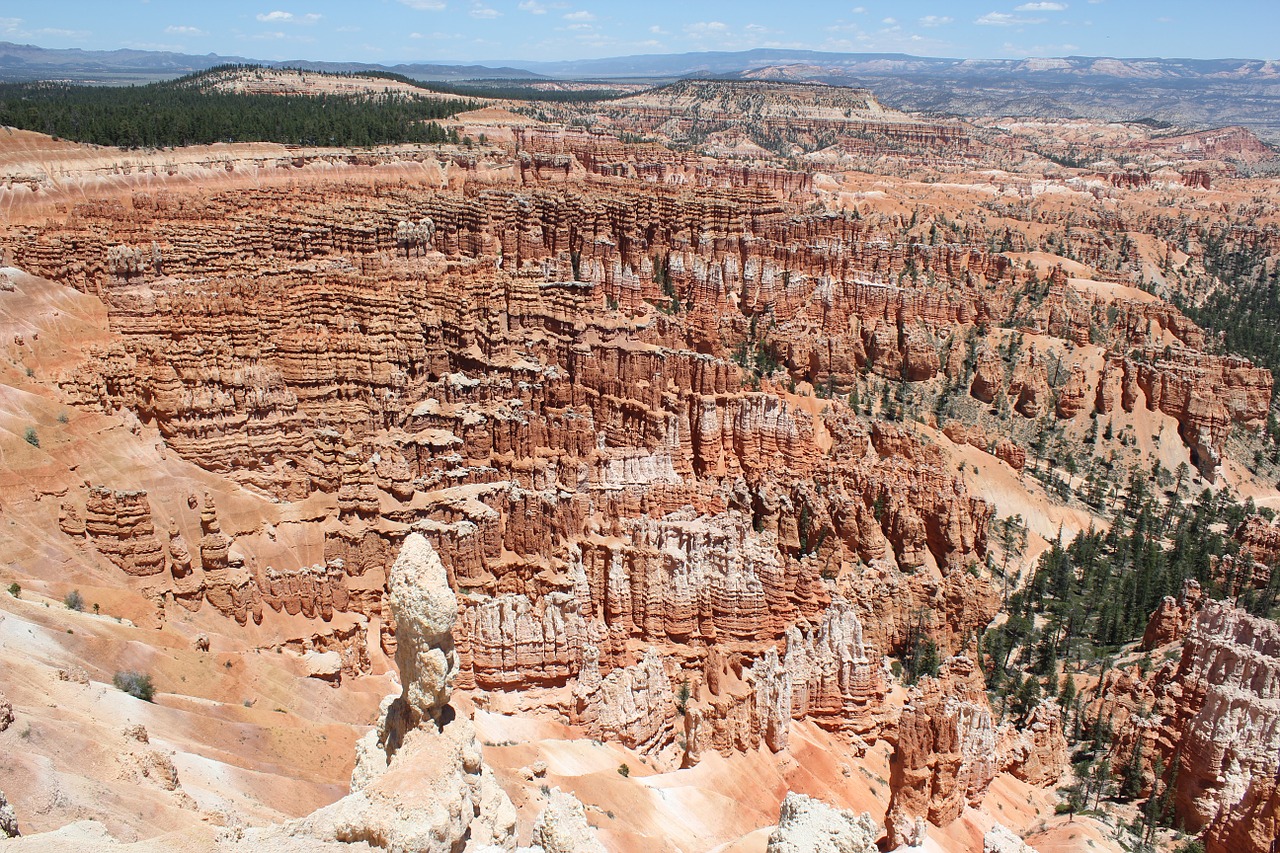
390,31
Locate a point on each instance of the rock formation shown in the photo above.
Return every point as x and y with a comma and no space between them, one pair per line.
1002,448
1213,716
806,825
1252,826
562,827
1260,538
632,705
1036,751
424,609
1172,619
945,755
142,764
120,526
8,823
1000,839
420,781
835,678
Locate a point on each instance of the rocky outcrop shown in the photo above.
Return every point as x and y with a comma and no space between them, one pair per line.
120,527
835,678
228,586
1012,454
1260,537
1073,396
1197,178
436,795
8,823
1213,716
1029,386
1172,618
562,827
945,754
1009,452
141,764
420,781
1205,393
509,640
737,707
424,609
688,574
1001,839
1252,826
1036,751
806,825
1228,721
988,376
633,705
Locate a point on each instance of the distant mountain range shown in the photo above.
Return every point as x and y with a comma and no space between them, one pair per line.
877,64
1187,92
23,62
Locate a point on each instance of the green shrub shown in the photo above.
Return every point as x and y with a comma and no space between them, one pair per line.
136,684
74,600
31,437
15,589
624,770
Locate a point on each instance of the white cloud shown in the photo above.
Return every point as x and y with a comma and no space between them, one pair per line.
935,21
153,45
580,15
1004,19
288,18
1042,7
1040,49
859,10
484,13
58,32
659,31
179,30
889,21
533,7
9,25
705,27
425,5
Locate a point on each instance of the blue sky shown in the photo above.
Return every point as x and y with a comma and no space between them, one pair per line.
429,30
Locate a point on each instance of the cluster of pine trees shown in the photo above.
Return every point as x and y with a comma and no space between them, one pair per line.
1086,599
1245,309
178,113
